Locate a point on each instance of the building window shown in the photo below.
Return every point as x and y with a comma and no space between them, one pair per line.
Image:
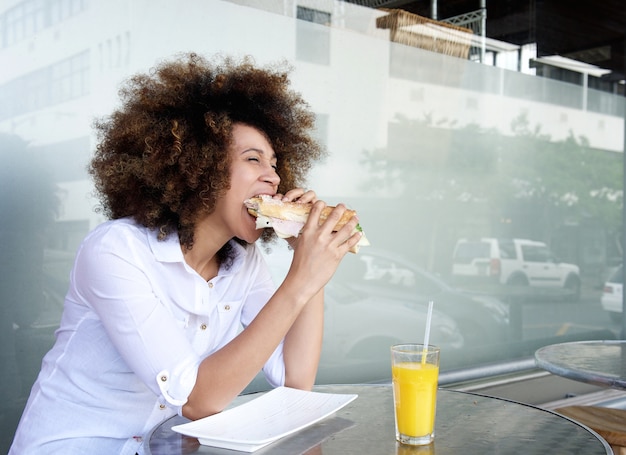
29,17
24,20
313,41
60,10
57,83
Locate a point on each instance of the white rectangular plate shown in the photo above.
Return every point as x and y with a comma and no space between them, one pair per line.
260,422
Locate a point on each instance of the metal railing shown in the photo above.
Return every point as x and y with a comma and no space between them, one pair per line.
475,21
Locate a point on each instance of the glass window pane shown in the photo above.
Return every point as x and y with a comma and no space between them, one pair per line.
494,189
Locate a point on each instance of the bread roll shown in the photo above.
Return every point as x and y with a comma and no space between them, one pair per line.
292,211
287,218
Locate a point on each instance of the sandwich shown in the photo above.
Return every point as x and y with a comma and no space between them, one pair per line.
288,218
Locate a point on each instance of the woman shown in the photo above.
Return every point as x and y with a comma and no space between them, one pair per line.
151,323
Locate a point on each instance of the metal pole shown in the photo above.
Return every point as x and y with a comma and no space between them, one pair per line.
623,335
585,87
483,29
433,9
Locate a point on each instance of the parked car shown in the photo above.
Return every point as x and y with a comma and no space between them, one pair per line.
360,326
482,319
514,262
612,295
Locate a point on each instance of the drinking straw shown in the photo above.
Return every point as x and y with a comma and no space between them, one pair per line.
429,316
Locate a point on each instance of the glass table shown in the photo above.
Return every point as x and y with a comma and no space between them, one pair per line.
600,363
466,423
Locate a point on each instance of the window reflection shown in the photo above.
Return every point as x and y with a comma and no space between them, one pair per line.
28,315
435,152
60,82
29,17
312,43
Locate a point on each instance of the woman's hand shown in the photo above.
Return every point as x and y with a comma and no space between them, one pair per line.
299,195
319,250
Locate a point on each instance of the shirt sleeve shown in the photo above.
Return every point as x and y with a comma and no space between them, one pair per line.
110,279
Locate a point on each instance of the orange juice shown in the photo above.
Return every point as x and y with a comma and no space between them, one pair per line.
415,397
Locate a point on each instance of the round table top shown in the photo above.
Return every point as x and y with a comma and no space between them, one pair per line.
466,423
595,362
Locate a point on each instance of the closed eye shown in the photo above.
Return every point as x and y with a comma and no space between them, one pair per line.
257,160
257,156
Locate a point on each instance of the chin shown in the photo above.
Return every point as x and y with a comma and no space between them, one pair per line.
252,238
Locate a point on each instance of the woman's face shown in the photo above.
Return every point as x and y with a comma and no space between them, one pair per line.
252,172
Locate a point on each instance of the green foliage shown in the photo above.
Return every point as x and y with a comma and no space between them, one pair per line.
425,161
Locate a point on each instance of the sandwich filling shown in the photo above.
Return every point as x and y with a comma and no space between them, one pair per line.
283,228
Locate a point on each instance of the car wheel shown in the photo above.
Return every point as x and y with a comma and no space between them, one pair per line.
517,280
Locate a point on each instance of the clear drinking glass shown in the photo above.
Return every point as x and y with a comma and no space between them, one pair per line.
415,375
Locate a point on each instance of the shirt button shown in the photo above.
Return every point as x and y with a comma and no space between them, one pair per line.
210,285
227,307
203,327
163,378
161,406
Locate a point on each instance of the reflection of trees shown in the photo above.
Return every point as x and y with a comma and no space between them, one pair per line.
430,162
427,162
568,174
28,205
524,179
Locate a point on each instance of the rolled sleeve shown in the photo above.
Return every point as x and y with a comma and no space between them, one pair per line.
176,386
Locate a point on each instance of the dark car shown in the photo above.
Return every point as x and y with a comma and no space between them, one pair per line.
359,328
482,319
378,298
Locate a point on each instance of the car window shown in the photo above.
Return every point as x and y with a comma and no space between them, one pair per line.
534,253
507,249
466,252
386,271
434,180
617,276
390,272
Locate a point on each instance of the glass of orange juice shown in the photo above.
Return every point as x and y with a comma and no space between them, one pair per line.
415,375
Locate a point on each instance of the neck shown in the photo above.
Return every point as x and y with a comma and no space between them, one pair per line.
206,266
202,257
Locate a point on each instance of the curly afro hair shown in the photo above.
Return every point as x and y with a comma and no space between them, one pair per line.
162,157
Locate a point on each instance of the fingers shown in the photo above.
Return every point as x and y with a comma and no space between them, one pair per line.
300,195
346,234
319,249
353,240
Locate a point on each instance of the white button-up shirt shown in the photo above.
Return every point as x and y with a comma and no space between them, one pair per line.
136,324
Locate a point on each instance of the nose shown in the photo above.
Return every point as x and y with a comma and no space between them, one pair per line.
272,177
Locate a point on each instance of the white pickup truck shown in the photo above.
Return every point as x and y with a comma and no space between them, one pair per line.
513,262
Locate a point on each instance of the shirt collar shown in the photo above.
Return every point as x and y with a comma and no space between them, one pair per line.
169,250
